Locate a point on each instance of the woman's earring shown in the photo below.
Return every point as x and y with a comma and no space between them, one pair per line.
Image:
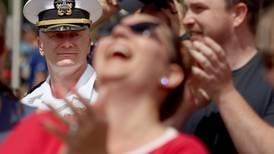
164,81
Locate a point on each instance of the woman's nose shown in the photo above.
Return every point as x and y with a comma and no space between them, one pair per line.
120,30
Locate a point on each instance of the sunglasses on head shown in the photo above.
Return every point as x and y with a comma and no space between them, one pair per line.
141,28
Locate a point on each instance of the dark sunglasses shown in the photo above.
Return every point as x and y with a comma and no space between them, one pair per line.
159,3
142,28
268,59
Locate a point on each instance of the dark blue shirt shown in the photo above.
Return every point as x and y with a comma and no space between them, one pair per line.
37,64
11,111
207,123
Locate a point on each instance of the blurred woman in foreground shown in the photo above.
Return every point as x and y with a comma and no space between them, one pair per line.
141,76
140,83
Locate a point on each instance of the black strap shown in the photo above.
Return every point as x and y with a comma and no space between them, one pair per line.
35,87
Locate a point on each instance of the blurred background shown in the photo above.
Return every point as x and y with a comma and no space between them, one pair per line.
21,66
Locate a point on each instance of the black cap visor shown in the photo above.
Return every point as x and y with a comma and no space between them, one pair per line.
64,27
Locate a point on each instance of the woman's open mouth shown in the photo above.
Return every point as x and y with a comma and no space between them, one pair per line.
119,52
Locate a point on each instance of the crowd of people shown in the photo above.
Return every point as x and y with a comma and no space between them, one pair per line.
173,76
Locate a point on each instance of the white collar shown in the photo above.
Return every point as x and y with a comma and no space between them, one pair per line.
168,135
85,87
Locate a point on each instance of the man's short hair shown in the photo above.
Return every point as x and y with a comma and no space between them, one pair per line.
253,6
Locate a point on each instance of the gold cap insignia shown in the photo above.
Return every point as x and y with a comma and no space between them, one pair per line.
64,7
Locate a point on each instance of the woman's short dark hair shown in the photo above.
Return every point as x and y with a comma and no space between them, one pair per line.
180,56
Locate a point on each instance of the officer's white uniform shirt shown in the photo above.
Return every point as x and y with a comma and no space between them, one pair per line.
43,94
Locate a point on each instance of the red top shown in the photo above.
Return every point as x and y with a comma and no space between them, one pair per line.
30,137
182,144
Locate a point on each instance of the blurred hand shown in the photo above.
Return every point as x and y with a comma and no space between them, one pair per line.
195,98
109,7
87,131
212,69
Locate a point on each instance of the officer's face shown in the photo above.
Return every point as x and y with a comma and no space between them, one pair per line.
65,49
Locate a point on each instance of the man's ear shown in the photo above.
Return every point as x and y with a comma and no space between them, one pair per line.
239,14
173,78
40,45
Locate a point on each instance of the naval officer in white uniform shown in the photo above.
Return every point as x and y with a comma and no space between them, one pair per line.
64,41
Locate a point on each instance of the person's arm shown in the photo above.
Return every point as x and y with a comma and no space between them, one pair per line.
249,133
